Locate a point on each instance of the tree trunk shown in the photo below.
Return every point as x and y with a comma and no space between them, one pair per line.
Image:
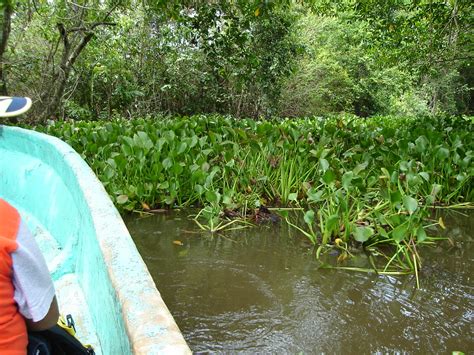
81,35
6,28
53,97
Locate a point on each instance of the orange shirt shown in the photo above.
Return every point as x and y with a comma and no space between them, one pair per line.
13,334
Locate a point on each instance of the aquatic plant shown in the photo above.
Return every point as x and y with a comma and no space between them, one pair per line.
362,181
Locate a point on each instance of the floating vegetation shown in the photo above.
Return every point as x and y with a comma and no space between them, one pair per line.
213,222
367,182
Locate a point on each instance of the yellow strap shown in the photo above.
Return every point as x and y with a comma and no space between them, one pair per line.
63,324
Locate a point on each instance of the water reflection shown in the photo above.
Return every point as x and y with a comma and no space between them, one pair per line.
261,291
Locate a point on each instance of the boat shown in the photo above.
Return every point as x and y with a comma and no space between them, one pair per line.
99,276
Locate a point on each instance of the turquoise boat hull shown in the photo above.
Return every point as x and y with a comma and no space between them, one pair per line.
99,276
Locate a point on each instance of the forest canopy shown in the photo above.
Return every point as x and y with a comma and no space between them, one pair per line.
92,59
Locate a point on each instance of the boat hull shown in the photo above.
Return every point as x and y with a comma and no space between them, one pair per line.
99,275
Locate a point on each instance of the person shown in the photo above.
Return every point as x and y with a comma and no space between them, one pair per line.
27,295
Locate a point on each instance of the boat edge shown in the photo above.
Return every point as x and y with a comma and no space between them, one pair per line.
148,322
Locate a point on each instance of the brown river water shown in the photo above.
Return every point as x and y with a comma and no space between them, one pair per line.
260,290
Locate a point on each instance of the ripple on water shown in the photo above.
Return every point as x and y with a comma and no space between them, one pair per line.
262,292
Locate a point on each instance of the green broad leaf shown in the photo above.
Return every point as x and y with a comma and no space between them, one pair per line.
129,141
421,144
169,200
182,147
205,166
241,133
410,204
466,161
199,189
347,179
293,196
360,167
93,148
194,167
163,185
177,169
132,190
362,234
211,175
395,220
256,146
169,136
213,196
430,200
420,234
167,163
159,144
227,199
425,176
400,232
395,197
198,176
394,177
324,164
122,199
309,217
202,141
442,153
413,180
109,173
435,189
143,140
314,195
229,155
329,177
127,150
382,232
194,141
404,165
216,138
325,152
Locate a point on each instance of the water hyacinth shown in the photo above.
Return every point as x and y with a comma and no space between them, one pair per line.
366,181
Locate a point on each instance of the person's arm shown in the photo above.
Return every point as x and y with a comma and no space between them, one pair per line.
48,321
34,290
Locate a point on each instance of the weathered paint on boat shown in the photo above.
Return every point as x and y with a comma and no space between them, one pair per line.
98,273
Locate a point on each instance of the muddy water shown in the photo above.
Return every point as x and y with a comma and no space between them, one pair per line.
260,290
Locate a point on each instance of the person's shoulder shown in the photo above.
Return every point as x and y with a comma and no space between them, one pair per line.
9,223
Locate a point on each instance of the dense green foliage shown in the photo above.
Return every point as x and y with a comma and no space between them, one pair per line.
366,180
404,64
90,59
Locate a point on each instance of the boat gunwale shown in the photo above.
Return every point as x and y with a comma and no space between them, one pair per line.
147,320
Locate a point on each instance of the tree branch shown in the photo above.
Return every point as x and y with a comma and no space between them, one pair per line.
64,35
92,27
86,39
